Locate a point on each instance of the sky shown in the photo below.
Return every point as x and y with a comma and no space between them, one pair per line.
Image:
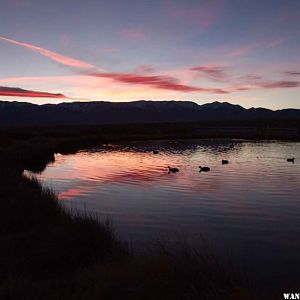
239,51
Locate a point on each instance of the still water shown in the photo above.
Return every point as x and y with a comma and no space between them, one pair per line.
250,207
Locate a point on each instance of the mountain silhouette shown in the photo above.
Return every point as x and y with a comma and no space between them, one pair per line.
101,112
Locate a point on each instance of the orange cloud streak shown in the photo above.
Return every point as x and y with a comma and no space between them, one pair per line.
17,92
64,60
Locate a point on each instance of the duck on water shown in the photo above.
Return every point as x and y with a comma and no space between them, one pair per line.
291,159
173,170
204,169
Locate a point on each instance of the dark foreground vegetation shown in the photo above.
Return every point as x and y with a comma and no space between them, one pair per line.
48,253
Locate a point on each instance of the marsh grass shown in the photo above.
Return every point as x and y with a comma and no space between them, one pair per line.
38,238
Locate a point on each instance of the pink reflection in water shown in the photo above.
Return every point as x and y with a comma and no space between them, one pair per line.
75,192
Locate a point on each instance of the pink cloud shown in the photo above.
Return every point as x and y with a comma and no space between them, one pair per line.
293,73
64,60
254,81
242,51
216,72
280,84
245,50
250,78
145,69
133,34
156,81
17,92
45,80
275,84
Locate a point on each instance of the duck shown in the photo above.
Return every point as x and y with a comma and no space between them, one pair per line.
225,161
204,169
155,151
291,159
173,170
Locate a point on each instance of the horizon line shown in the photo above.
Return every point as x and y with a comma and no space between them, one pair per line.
144,100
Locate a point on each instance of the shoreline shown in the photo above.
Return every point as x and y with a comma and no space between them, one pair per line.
32,148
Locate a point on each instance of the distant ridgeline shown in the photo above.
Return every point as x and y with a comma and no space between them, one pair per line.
100,112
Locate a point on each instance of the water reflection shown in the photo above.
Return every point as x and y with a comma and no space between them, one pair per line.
251,205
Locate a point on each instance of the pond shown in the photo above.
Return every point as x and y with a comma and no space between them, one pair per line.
250,206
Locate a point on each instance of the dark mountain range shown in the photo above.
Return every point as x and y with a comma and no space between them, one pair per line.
85,113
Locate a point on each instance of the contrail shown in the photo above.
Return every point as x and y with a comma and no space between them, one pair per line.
64,60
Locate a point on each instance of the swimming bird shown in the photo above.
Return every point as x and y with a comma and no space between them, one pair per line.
155,151
173,170
204,169
291,160
225,161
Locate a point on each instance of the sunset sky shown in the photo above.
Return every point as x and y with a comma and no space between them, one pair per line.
240,51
